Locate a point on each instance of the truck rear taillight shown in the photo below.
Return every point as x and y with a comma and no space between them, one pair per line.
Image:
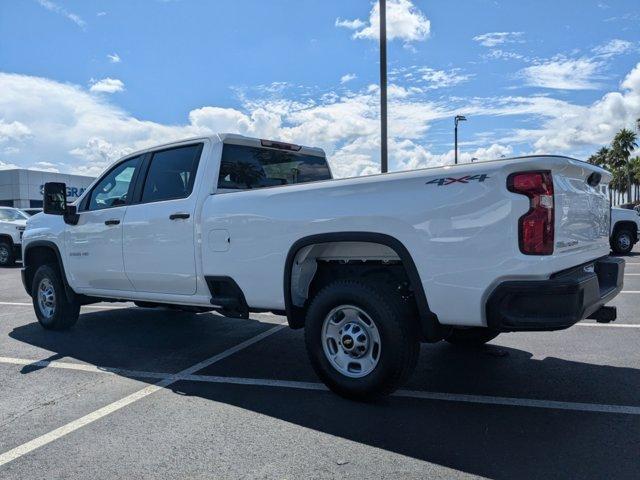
535,228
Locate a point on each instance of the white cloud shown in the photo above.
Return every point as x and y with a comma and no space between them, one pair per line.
45,167
12,130
563,73
404,22
101,14
440,78
613,47
7,166
54,7
499,54
106,85
114,57
78,131
493,39
578,126
348,77
350,24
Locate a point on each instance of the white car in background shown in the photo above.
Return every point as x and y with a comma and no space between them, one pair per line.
31,211
625,230
12,225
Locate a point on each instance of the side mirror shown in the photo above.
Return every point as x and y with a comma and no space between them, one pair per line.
55,202
55,198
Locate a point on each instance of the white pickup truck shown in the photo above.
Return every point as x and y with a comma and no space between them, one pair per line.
625,229
369,266
12,226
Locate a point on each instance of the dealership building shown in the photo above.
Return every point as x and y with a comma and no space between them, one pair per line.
23,188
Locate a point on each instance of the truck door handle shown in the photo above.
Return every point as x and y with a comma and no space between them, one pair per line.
176,216
113,221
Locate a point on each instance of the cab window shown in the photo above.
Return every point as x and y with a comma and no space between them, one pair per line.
171,173
114,188
243,167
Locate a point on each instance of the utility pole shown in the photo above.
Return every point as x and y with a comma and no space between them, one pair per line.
456,120
383,87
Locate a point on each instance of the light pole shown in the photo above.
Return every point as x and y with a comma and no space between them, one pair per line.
458,118
383,87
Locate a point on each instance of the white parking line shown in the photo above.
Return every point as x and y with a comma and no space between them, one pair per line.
630,291
25,304
608,325
109,307
522,402
83,367
265,382
632,274
134,397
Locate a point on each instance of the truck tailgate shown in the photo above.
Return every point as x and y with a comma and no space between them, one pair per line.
582,211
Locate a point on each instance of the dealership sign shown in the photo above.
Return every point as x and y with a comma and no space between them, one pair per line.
72,192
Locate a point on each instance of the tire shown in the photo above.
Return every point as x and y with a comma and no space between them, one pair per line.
471,337
50,302
341,307
7,259
622,241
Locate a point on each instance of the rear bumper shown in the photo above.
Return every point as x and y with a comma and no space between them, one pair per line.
559,302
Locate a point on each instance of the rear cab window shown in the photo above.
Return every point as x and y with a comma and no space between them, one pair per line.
171,173
245,167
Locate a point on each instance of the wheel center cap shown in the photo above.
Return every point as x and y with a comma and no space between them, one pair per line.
347,342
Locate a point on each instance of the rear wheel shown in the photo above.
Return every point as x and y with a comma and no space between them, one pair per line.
622,241
7,258
53,308
360,339
471,337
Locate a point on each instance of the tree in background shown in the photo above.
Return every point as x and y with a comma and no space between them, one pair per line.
617,159
600,158
623,144
635,173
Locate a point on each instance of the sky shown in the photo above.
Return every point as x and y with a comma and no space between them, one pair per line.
83,82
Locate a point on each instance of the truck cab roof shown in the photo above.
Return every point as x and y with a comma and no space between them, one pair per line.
237,139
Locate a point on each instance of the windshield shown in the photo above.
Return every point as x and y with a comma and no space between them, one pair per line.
245,167
12,214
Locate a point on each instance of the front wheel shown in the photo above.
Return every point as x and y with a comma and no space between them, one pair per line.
622,242
7,258
53,308
360,339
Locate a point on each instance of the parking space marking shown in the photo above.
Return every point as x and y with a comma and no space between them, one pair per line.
630,291
109,307
291,384
522,402
38,442
608,325
83,367
25,304
632,274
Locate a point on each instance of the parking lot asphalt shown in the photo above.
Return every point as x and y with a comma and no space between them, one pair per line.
143,393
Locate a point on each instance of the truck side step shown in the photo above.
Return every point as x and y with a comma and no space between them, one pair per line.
604,315
227,294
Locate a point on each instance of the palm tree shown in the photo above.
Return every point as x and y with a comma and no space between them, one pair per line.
600,158
634,164
623,144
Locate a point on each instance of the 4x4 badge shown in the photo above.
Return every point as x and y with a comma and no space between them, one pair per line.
466,179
